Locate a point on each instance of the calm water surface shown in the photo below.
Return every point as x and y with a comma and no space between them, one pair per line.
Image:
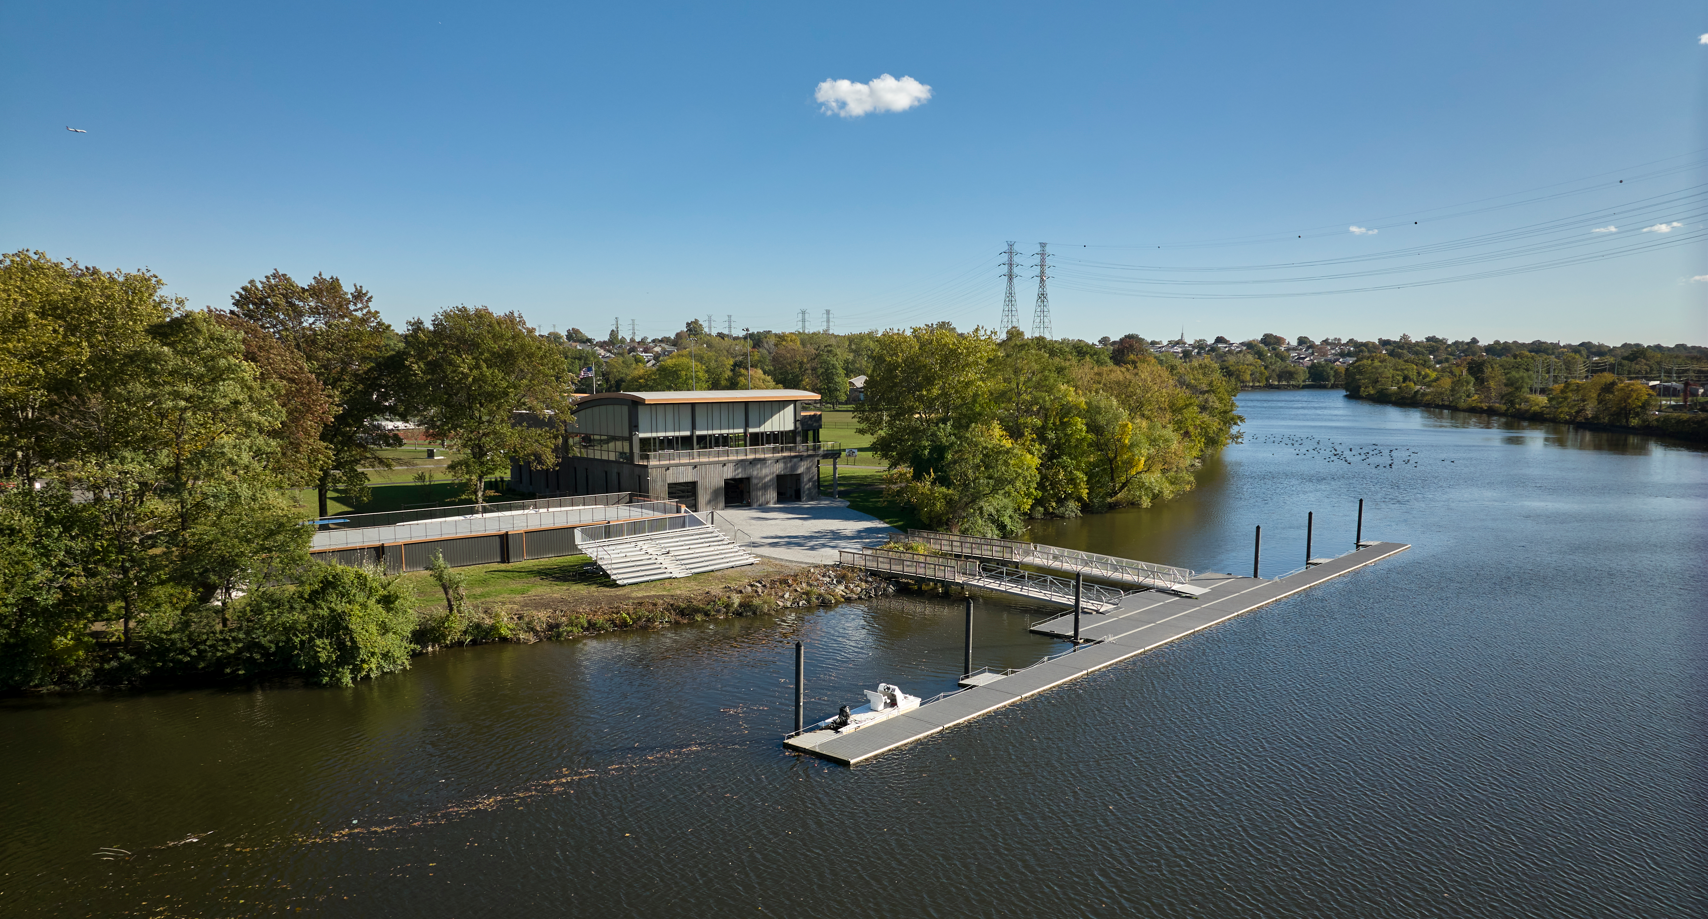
1507,720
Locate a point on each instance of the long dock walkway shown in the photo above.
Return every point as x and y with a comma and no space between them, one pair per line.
1139,623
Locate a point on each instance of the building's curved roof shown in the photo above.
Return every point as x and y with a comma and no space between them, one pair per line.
705,395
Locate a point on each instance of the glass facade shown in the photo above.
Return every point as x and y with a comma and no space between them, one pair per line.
601,446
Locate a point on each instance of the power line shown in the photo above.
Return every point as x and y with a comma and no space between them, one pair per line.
1010,311
1041,311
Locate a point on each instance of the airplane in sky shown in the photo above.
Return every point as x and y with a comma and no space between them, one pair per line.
75,130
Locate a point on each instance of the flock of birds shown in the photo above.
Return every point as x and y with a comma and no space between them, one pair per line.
1373,455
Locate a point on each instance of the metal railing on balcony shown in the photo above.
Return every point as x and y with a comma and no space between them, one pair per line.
736,453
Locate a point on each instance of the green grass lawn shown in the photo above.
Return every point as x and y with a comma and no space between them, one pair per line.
862,487
415,455
839,426
395,495
570,582
494,582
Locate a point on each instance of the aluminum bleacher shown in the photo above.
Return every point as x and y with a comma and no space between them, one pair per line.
670,554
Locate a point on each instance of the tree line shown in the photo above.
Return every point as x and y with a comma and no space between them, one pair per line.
1544,381
982,433
145,448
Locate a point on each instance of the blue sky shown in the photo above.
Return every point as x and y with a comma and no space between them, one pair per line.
582,162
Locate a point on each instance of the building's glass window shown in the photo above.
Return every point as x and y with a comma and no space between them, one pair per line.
601,446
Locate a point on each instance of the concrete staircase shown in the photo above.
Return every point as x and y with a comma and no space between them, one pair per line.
670,554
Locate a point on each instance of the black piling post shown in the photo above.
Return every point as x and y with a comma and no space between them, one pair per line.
1310,523
1257,552
800,686
1078,592
1359,539
967,661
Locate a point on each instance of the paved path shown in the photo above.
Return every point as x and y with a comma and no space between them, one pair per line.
808,531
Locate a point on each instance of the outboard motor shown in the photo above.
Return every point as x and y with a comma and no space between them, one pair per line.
842,718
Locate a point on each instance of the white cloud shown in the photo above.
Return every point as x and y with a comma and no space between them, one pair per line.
1700,279
1663,227
885,94
1703,40
1361,231
1606,229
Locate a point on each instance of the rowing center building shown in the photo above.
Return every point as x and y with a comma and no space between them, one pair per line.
707,450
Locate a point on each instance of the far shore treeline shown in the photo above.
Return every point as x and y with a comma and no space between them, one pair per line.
147,449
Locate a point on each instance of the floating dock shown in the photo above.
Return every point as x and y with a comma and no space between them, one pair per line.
1140,622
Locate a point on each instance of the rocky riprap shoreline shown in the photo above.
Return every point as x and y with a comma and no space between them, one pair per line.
825,585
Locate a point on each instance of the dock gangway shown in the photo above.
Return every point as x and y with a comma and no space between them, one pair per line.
972,573
1124,571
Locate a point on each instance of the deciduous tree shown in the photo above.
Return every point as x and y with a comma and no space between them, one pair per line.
490,385
344,343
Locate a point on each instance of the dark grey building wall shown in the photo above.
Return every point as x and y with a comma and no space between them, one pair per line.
584,476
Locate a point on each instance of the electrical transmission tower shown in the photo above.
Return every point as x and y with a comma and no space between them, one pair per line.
803,322
827,322
729,324
617,327
632,335
1010,311
1041,312
710,329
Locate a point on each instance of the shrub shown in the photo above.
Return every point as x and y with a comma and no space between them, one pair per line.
339,624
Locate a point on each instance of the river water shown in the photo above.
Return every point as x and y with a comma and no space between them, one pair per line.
1507,720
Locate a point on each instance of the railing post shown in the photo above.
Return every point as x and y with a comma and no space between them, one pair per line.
800,682
1257,551
1078,590
1310,521
1358,540
967,660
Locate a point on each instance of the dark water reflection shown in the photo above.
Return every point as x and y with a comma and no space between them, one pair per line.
1509,719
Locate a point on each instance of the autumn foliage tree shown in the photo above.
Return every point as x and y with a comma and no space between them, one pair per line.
343,342
490,385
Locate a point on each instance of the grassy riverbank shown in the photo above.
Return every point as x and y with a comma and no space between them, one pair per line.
368,624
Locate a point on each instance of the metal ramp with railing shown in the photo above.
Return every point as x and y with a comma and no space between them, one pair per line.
1109,568
677,553
974,574
1033,586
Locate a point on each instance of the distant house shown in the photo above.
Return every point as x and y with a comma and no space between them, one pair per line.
857,389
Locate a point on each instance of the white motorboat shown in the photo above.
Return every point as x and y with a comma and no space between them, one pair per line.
888,702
